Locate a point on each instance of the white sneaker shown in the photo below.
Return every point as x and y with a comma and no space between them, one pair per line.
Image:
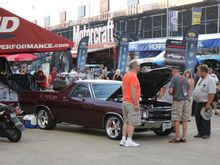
122,142
131,144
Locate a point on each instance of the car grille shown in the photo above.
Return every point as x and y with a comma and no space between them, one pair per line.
159,115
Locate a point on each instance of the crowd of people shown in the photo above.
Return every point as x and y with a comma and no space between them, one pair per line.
186,94
44,82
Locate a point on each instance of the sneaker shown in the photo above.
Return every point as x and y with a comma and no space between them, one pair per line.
131,144
122,142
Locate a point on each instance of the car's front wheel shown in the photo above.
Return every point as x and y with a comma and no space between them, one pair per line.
161,132
113,127
45,120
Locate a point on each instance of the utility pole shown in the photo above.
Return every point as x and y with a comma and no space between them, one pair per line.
89,16
168,29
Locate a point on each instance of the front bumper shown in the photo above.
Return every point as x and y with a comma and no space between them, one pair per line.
148,124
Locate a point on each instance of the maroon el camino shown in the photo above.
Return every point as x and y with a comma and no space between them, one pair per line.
97,104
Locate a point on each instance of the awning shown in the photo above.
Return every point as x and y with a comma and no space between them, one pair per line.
20,57
18,35
94,48
159,59
158,44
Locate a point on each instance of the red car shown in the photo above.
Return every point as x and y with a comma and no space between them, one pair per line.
97,104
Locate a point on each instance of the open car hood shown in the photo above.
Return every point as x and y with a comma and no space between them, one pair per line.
151,82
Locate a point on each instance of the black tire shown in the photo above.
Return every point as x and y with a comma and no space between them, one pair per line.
14,135
45,120
113,131
160,132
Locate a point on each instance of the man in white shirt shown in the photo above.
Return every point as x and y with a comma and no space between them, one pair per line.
203,95
215,100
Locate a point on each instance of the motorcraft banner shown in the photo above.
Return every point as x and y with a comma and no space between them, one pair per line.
191,38
82,52
196,15
173,21
175,54
123,52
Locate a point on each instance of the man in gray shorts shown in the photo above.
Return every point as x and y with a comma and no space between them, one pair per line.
179,89
130,106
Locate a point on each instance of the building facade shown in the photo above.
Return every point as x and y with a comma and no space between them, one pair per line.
146,21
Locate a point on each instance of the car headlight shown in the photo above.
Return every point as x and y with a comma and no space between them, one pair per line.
145,114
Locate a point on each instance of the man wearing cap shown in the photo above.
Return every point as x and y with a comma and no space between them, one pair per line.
130,106
179,89
203,95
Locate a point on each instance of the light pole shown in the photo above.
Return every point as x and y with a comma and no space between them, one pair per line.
89,16
168,29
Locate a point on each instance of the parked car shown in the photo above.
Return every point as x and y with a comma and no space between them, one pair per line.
97,104
175,56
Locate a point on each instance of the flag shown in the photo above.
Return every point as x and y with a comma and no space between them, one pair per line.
123,52
196,15
191,38
173,20
82,52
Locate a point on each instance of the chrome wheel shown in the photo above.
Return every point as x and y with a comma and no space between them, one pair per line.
42,119
113,127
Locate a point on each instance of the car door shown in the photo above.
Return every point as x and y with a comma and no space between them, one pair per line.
78,103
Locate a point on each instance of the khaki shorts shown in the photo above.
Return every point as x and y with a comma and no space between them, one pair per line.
180,110
130,115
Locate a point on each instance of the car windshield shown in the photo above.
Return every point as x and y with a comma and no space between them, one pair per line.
104,91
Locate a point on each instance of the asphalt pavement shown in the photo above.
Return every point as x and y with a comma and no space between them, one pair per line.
70,144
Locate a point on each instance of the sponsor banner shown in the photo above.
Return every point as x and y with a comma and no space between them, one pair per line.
18,35
132,2
82,52
123,52
175,54
191,38
147,46
173,21
102,34
31,46
196,15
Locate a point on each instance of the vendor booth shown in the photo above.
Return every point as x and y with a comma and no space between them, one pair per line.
19,39
152,47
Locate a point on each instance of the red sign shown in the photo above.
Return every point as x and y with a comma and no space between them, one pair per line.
18,35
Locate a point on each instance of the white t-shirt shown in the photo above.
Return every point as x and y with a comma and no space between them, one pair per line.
215,78
203,88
